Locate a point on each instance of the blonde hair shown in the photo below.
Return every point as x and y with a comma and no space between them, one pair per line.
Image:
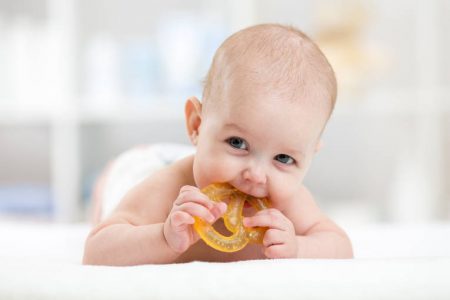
274,55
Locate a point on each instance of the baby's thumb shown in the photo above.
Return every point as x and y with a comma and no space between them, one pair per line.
179,220
218,210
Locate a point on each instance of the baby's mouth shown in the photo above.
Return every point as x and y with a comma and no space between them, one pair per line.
249,192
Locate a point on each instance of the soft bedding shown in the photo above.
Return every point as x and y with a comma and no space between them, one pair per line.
42,261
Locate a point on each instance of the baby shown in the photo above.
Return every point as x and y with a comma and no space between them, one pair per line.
267,98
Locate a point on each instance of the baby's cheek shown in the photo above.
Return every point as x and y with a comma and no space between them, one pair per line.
219,169
284,188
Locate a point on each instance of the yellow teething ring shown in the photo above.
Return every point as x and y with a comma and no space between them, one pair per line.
232,218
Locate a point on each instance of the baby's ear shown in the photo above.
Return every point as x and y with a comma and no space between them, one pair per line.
193,115
319,146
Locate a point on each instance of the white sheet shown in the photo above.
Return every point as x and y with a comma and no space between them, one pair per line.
42,261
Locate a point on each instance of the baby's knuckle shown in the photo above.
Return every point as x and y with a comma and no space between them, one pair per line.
271,252
190,208
273,212
185,188
180,199
273,218
270,235
176,217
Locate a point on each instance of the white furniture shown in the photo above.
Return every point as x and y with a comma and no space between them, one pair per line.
42,261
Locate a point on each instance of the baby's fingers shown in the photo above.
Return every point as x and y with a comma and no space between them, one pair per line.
181,218
218,210
277,251
198,210
274,237
272,218
193,194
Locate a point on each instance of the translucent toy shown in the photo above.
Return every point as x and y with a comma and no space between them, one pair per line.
241,235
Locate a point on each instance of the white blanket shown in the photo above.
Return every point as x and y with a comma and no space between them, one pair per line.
42,261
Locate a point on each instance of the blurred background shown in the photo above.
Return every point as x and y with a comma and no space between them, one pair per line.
82,81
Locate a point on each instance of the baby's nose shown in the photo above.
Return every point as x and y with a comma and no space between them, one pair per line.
255,174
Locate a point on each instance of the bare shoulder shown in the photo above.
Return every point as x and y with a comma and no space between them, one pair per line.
151,200
304,211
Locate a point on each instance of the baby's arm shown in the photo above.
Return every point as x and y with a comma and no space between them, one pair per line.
120,241
301,231
152,224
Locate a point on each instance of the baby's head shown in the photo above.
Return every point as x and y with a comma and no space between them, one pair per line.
267,98
271,57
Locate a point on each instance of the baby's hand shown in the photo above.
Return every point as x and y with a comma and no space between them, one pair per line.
190,203
279,240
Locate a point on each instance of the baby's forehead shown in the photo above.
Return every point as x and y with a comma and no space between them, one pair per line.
267,106
240,90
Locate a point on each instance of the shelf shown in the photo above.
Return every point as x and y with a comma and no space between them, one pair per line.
397,102
148,114
163,110
11,116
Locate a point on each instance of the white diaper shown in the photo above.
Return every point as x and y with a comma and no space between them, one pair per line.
132,166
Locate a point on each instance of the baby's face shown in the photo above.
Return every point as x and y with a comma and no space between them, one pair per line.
258,142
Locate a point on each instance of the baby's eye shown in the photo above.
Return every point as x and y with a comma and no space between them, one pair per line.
285,159
237,143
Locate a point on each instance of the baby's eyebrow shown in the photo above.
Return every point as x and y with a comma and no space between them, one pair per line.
235,126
